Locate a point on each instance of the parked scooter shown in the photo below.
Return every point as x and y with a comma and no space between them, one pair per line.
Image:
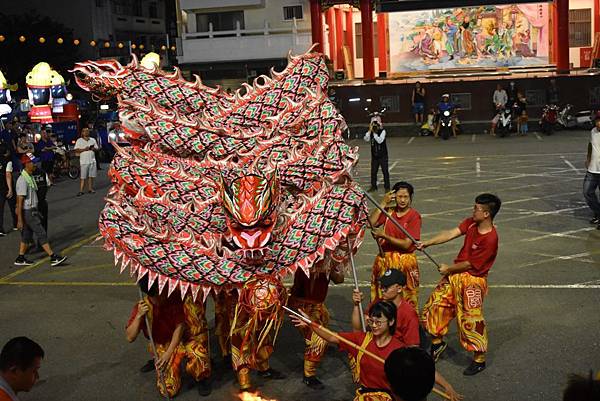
504,125
549,119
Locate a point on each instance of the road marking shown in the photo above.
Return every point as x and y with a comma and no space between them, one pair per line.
538,136
478,167
412,138
47,258
473,138
81,269
568,163
560,234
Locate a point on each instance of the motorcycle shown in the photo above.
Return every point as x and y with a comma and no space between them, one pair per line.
504,125
446,124
549,119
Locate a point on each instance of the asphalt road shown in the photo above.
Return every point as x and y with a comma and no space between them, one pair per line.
542,308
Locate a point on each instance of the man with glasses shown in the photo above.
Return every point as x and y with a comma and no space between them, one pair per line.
463,286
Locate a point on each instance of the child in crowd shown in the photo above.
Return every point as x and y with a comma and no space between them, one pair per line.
522,126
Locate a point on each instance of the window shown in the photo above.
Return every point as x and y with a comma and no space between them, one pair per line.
137,8
358,42
580,27
291,12
224,21
153,10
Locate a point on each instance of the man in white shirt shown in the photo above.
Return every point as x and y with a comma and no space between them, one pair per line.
500,97
85,147
592,177
379,155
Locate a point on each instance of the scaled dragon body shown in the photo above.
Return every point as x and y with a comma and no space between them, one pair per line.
219,188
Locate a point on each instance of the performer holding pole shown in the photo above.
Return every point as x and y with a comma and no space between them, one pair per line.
308,294
375,346
355,276
463,286
398,245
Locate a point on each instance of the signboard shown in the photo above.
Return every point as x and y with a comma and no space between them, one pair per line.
491,36
387,6
585,57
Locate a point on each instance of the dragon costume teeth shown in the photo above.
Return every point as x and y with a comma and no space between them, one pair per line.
219,188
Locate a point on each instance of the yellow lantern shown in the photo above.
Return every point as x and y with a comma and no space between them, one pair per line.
141,47
163,48
21,38
76,42
59,41
106,44
42,39
120,45
93,43
2,38
133,46
173,48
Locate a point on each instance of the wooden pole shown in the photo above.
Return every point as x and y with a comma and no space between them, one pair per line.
360,308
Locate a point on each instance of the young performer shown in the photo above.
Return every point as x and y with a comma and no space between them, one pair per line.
399,251
407,322
308,294
380,341
463,286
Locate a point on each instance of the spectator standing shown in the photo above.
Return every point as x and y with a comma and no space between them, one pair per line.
552,93
500,98
95,135
379,155
45,149
591,182
418,102
20,361
85,147
6,187
28,215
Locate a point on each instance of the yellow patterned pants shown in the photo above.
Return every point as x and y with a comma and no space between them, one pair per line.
194,349
315,346
459,295
374,396
224,308
405,262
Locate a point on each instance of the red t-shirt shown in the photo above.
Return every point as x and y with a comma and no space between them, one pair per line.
411,221
372,374
165,319
407,323
313,289
479,249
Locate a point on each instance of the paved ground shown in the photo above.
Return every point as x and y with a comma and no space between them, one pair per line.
542,309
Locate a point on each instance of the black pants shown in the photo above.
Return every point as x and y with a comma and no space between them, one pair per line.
11,205
376,162
43,210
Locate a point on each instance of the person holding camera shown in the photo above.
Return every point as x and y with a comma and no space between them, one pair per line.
85,147
379,155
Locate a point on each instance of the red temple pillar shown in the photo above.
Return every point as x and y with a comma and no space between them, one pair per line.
562,36
329,17
382,43
349,40
316,24
366,13
339,38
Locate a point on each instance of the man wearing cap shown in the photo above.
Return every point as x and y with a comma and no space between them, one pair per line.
445,105
28,216
392,284
592,176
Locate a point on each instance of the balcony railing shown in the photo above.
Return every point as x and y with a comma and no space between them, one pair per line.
244,44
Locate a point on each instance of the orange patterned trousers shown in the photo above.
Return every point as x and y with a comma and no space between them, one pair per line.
458,295
315,346
374,396
407,264
224,308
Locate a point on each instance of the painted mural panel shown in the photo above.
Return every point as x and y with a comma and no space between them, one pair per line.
468,37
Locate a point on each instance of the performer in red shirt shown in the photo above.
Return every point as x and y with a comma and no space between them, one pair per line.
308,294
379,340
463,286
407,321
398,250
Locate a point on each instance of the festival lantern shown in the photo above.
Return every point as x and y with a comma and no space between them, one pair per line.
2,38
76,42
4,96
21,38
38,82
42,40
59,41
58,90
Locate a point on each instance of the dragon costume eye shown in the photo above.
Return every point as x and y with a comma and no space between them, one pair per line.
268,221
